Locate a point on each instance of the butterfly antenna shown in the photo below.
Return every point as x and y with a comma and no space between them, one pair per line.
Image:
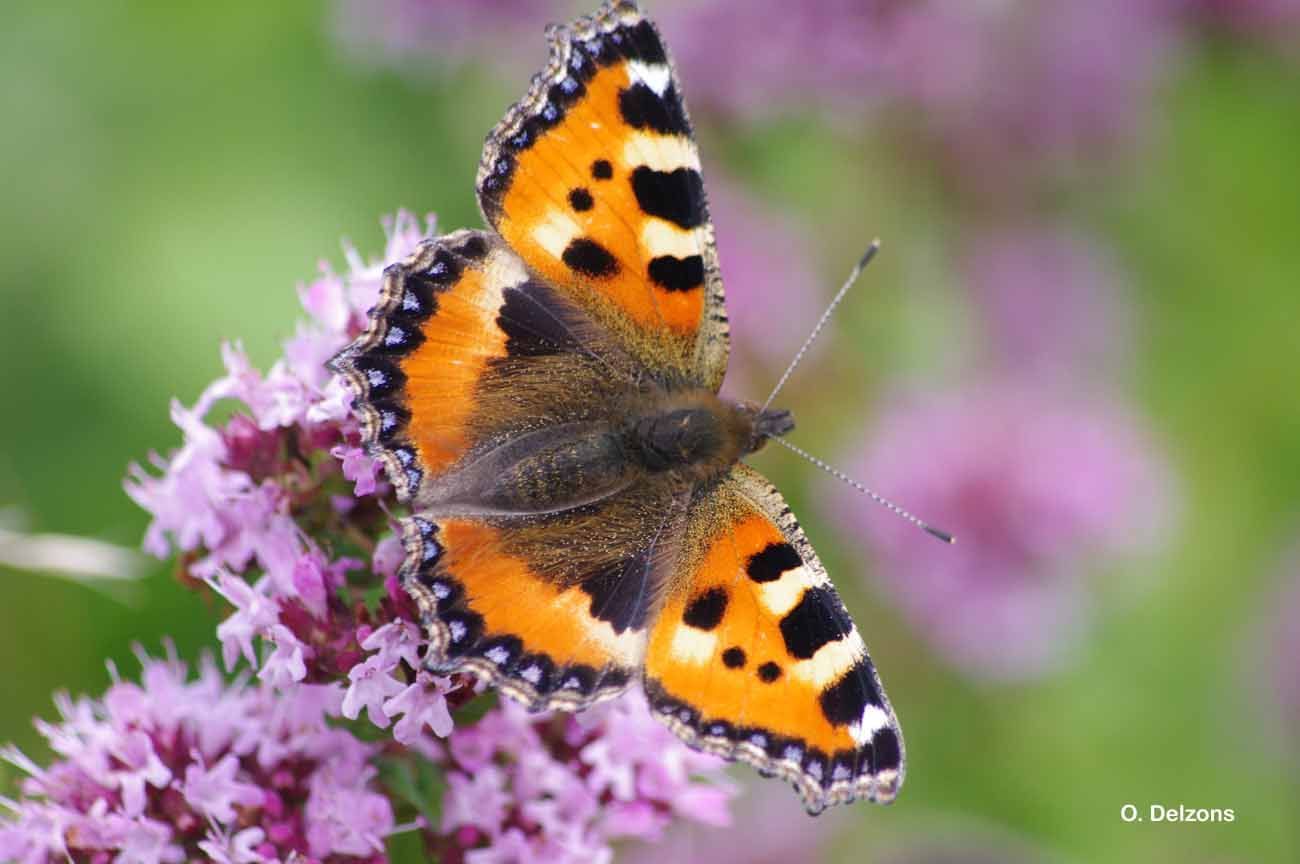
884,502
816,331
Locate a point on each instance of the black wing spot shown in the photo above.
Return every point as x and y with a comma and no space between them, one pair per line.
843,701
676,195
819,618
774,559
677,274
580,199
644,43
618,593
533,325
886,752
643,108
601,169
734,657
589,258
705,610
769,672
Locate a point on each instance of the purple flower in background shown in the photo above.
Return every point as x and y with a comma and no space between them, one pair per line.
763,830
1040,491
766,265
409,34
1271,19
1008,89
1051,302
765,56
1284,667
218,762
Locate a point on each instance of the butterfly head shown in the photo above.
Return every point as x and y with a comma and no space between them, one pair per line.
765,423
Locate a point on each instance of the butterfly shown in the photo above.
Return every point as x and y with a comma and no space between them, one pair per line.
544,395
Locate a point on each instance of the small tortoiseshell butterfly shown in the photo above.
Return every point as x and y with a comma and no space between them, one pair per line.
544,395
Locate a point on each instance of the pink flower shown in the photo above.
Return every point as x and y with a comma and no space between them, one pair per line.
214,791
285,665
1274,20
359,468
255,613
369,687
479,800
220,807
1052,302
609,772
239,848
422,704
827,52
1010,92
1041,491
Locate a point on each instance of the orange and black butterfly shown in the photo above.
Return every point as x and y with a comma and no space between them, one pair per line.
544,394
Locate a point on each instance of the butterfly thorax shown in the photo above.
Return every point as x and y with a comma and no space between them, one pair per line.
699,434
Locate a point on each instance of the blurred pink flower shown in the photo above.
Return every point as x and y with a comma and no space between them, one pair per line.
1284,665
1273,20
773,293
1051,302
766,56
1009,89
422,34
764,830
1041,491
215,757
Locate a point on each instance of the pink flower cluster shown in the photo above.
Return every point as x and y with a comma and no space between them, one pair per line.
558,787
277,509
1041,490
171,769
281,481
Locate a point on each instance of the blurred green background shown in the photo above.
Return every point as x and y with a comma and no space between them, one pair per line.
171,171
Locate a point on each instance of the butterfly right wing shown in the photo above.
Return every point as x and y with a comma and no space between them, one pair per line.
754,657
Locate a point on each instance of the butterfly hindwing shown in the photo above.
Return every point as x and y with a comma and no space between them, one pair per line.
594,180
753,655
553,609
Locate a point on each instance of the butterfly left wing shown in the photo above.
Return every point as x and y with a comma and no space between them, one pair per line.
593,178
754,657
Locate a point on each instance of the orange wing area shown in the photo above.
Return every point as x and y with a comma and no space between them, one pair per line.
432,336
753,655
594,179
488,612
465,347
